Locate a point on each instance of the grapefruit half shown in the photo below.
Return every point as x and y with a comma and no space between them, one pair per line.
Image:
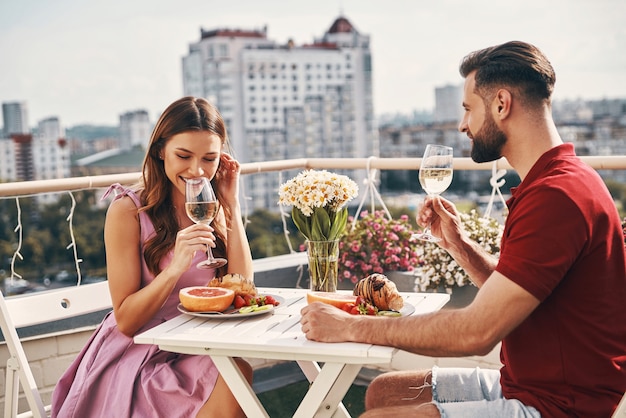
203,298
331,298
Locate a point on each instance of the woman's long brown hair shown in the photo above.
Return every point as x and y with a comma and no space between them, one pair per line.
185,114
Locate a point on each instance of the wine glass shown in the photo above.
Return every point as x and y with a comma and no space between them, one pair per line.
202,206
435,176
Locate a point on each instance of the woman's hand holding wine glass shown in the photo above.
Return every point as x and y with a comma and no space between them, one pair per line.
202,206
435,176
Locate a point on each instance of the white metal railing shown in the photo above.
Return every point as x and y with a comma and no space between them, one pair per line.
23,188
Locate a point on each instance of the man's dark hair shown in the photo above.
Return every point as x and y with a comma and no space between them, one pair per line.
517,65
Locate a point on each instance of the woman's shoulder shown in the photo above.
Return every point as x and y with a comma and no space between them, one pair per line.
122,211
126,203
121,192
123,203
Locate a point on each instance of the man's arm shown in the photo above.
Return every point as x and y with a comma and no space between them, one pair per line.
499,307
473,259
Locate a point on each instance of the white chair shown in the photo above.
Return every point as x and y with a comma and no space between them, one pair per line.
33,309
620,412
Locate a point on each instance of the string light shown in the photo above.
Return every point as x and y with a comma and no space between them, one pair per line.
18,230
20,238
72,244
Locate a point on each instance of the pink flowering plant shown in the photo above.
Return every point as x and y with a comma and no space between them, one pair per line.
377,244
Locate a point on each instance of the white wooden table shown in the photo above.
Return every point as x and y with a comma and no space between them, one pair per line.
279,336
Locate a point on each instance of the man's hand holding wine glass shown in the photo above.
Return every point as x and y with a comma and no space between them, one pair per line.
442,217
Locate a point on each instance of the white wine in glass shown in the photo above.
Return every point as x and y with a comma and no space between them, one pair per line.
435,177
201,212
202,206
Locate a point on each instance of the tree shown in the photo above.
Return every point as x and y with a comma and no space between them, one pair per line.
266,236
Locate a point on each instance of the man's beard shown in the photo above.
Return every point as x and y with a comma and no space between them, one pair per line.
488,142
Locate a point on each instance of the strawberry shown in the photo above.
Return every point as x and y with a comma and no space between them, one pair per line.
361,307
347,307
248,300
261,300
371,310
239,302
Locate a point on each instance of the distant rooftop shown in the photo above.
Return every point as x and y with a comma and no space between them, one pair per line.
342,25
114,158
321,45
234,33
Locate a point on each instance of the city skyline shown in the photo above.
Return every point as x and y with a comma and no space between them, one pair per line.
89,62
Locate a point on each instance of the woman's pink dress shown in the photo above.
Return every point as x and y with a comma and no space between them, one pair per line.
113,377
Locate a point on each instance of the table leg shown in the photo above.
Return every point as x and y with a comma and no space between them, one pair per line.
328,387
239,386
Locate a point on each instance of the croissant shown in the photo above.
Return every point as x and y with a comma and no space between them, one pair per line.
238,283
381,292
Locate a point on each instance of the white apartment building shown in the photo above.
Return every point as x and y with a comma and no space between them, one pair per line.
448,103
15,116
7,160
16,158
46,155
51,152
287,101
135,129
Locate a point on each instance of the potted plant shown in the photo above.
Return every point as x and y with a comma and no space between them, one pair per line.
377,244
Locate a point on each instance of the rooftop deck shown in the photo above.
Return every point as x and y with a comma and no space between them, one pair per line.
51,347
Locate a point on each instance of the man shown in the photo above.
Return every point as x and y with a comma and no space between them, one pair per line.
554,297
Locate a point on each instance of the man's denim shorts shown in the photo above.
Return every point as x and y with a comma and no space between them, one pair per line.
474,393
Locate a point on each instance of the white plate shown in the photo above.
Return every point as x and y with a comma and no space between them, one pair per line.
407,309
235,314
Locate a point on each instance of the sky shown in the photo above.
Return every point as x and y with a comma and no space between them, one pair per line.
87,62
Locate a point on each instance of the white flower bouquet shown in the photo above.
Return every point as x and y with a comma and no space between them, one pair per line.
318,199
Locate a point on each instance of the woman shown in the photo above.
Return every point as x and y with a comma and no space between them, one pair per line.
152,249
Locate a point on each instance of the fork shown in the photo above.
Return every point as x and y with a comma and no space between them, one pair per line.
228,312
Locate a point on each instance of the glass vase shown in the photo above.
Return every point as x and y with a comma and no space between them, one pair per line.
323,265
